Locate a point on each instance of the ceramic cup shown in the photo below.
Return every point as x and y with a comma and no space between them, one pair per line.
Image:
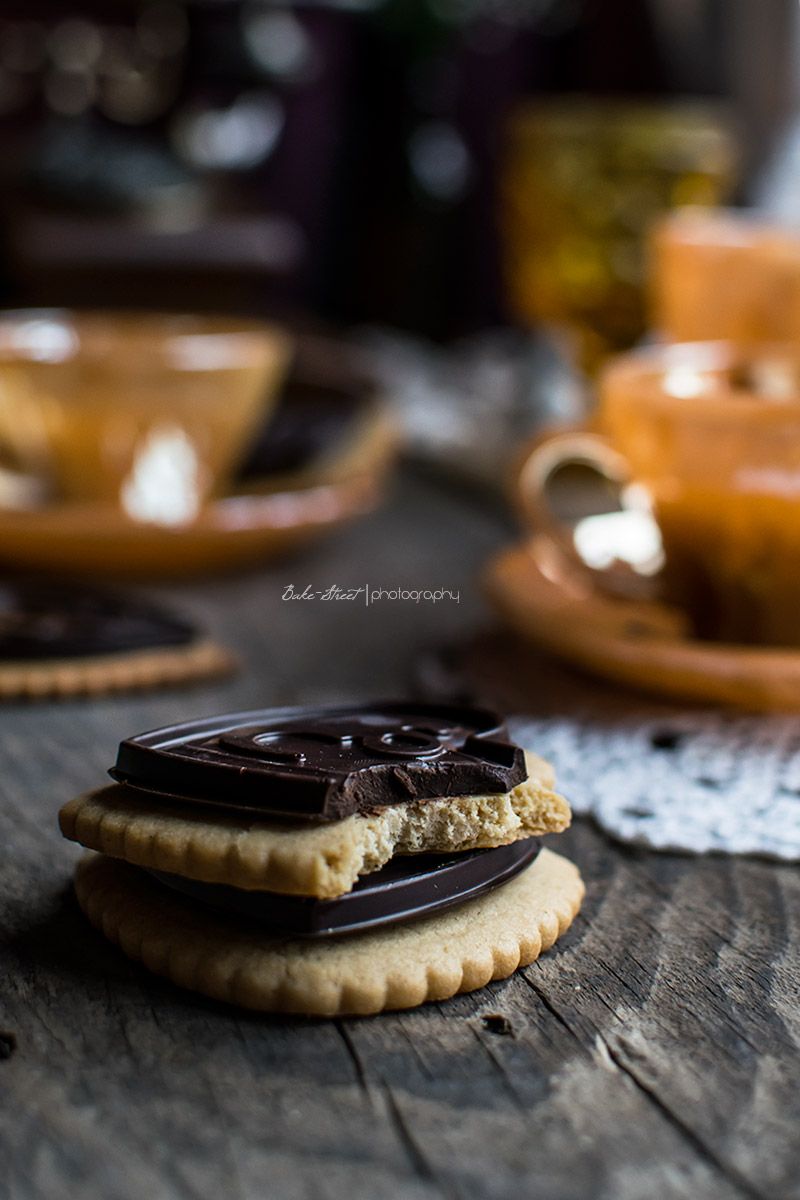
708,436
146,411
724,274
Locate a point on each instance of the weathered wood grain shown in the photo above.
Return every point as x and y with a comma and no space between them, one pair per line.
655,1051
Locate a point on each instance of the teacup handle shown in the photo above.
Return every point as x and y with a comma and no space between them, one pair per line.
583,448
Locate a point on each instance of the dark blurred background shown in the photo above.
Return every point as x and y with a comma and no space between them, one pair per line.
338,161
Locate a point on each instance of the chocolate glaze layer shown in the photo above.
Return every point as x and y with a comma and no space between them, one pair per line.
40,619
412,886
324,764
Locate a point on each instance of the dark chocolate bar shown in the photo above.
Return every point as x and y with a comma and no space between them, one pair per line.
40,619
324,764
412,886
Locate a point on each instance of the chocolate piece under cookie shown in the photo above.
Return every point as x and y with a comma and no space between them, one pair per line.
407,887
41,620
324,764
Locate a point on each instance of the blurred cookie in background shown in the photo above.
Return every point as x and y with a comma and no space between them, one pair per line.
59,639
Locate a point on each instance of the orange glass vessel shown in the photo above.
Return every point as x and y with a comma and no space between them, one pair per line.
583,180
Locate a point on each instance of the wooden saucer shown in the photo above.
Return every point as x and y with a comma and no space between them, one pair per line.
638,642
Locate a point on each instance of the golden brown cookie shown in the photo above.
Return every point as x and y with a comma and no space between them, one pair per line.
122,671
218,845
402,966
67,639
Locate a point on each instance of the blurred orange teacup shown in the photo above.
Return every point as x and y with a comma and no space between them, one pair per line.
724,273
148,412
707,436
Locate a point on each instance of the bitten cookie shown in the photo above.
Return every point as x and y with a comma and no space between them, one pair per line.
327,860
58,639
399,967
229,846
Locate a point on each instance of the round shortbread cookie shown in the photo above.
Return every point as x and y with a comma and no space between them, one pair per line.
216,845
120,671
400,967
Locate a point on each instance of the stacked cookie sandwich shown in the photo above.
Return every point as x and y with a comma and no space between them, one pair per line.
327,860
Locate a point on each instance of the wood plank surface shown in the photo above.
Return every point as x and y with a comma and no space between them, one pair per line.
654,1052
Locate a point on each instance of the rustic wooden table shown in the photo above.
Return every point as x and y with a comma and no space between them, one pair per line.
655,1051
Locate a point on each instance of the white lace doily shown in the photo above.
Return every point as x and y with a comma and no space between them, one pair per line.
690,782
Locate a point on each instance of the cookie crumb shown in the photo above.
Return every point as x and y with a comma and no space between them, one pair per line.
8,1044
498,1024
